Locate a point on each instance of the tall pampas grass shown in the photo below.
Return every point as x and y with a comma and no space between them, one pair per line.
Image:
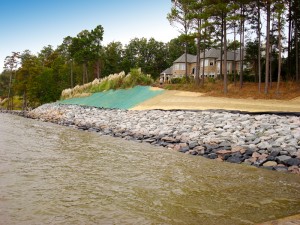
113,81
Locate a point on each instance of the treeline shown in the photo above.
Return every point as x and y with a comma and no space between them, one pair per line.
257,29
40,78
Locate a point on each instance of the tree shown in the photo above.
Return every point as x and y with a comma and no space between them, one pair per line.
149,55
113,58
45,54
65,51
279,8
180,14
268,6
11,63
176,48
96,37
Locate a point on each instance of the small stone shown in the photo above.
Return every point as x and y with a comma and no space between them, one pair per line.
270,163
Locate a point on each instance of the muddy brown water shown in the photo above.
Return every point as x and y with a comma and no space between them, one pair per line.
50,174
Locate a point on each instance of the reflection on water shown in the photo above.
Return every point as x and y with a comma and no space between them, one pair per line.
57,175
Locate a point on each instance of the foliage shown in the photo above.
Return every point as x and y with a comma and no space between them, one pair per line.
113,81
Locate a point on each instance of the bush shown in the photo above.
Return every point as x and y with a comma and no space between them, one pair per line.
176,80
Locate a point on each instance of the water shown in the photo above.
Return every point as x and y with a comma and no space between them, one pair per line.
57,175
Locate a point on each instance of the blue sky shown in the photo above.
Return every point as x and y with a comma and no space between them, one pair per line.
33,24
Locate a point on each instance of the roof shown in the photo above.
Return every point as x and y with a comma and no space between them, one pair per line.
210,53
168,71
190,58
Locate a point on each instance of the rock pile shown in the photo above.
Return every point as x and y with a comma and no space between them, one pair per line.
268,141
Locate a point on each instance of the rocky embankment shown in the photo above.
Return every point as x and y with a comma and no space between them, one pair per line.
268,141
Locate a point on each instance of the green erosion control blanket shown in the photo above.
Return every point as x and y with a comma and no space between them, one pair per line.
116,99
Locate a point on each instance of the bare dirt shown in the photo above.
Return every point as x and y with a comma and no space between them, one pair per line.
198,101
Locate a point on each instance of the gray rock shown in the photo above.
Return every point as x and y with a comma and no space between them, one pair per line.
281,168
292,162
282,158
290,149
234,159
264,145
184,149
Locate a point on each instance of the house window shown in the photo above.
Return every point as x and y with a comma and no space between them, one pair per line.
228,65
206,62
193,70
211,63
179,66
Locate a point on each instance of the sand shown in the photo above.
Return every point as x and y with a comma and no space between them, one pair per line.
197,101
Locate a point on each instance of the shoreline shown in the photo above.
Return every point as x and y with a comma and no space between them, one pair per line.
263,140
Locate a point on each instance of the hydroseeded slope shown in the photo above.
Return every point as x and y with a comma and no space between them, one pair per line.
117,99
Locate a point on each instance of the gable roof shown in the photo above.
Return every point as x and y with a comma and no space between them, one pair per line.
190,58
210,53
168,71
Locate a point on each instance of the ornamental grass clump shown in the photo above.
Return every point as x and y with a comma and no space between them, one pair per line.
113,81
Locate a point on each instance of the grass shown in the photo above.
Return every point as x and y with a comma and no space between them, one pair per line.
17,103
287,91
113,81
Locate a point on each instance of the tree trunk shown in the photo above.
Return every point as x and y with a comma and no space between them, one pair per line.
203,63
225,56
197,75
297,52
9,102
279,53
259,50
234,55
271,66
185,60
98,68
241,46
267,48
222,44
289,41
24,107
72,82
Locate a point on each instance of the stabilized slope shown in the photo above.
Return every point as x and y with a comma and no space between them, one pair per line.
117,99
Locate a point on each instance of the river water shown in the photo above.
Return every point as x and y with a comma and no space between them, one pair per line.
50,174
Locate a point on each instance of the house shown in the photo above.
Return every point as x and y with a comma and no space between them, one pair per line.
212,65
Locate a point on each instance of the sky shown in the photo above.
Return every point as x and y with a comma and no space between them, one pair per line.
33,24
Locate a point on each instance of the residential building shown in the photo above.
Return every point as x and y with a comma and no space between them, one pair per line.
212,65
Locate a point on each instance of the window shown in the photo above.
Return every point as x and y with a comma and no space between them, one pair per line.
206,62
228,65
179,66
211,63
